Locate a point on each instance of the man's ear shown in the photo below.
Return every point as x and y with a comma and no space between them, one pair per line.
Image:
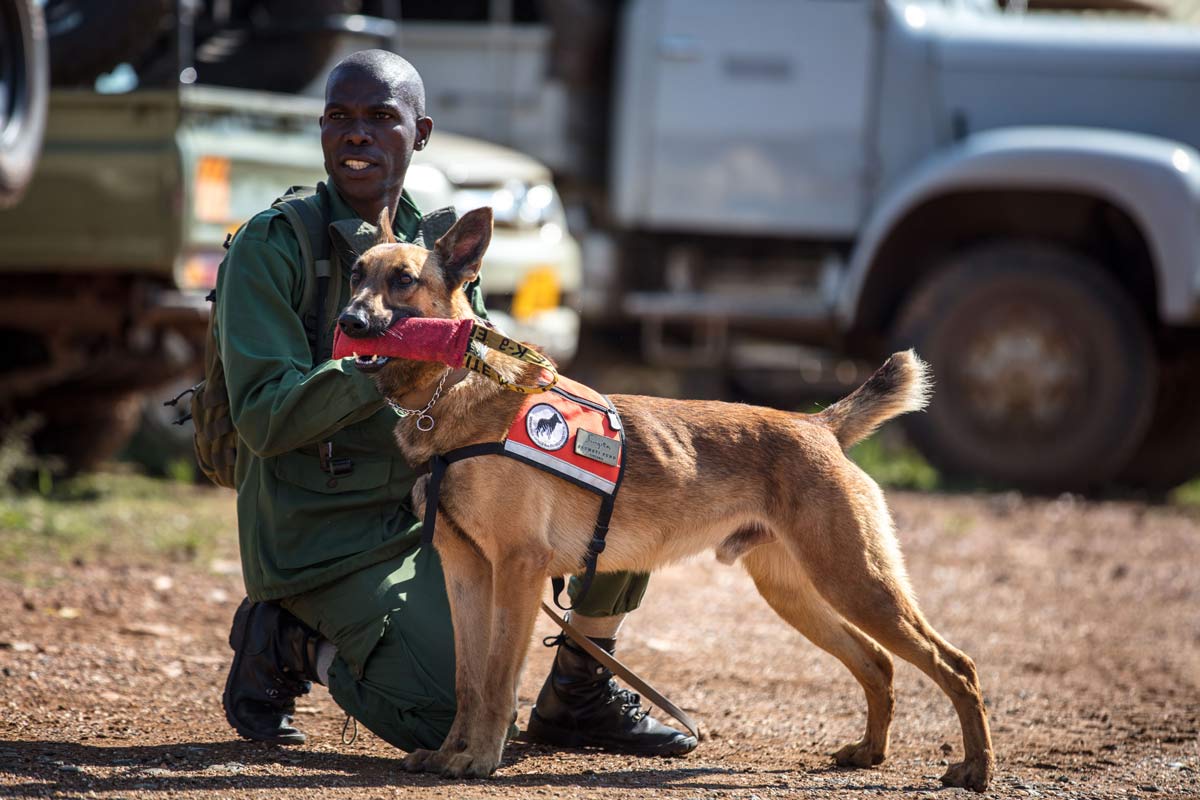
424,131
461,250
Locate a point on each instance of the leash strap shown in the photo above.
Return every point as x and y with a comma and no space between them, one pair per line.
513,349
628,675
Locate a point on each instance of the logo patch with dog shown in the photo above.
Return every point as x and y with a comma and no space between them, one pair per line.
546,427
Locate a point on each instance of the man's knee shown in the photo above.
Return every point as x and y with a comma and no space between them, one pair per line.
610,594
397,721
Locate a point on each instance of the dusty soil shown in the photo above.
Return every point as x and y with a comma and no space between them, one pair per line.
1084,619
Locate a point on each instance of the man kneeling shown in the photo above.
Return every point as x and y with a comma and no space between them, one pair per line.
340,590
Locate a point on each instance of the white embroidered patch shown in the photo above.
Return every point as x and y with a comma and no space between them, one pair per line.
546,427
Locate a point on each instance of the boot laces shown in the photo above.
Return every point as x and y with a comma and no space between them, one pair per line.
631,702
286,686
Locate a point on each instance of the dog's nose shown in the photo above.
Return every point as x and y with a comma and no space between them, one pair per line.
354,322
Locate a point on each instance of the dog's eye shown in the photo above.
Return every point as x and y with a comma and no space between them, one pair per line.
355,277
401,280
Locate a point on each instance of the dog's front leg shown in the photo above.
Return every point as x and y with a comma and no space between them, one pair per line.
469,588
517,584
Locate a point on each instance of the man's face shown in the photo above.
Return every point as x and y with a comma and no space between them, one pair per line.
368,133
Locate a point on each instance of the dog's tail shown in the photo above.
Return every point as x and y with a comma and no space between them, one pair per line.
901,385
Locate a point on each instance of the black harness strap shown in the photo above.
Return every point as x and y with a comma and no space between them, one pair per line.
600,532
437,470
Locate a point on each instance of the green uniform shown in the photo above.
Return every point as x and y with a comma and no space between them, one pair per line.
341,552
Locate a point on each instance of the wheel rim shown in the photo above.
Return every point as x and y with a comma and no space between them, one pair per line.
1023,374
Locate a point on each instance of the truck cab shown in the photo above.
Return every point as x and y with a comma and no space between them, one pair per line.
1015,194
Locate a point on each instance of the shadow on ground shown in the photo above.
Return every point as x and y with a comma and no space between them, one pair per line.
46,766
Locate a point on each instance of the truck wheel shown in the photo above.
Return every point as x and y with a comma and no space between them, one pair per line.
89,431
88,39
1169,454
1044,370
159,444
23,80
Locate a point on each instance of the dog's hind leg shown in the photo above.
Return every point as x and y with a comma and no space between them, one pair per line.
785,586
852,560
469,581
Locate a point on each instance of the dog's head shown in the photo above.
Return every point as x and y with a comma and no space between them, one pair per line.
393,281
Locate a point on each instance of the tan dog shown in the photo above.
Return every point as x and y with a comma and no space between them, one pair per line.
771,488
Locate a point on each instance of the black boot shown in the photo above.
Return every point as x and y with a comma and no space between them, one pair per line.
581,706
274,662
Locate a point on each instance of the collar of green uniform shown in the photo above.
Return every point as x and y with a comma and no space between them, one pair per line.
354,236
404,222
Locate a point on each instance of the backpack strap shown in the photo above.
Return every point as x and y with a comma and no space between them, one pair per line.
304,209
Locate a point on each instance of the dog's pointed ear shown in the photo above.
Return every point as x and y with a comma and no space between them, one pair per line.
461,250
386,235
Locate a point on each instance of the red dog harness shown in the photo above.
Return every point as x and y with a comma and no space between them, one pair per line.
571,431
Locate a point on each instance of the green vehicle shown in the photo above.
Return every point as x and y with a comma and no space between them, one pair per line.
106,261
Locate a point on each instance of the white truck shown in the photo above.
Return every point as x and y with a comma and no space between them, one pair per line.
1015,195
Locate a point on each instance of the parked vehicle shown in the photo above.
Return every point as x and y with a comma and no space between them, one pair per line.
106,261
1017,196
23,85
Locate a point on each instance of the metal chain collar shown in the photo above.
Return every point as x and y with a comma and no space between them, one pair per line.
425,422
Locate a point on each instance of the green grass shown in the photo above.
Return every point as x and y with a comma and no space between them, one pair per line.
895,464
1187,495
117,517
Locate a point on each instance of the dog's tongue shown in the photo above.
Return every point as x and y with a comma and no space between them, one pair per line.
414,338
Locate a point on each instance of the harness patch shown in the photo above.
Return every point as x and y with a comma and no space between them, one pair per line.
546,427
598,448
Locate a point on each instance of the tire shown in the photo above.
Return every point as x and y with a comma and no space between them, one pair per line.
88,431
1044,370
88,39
1169,454
158,444
24,76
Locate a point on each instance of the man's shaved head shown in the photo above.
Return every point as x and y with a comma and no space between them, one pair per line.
387,68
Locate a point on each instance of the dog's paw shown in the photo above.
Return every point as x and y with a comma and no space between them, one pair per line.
470,765
860,755
422,761
975,774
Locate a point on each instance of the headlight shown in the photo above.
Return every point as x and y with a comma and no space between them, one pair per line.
515,204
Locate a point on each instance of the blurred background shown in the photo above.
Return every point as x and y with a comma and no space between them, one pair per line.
751,201
756,201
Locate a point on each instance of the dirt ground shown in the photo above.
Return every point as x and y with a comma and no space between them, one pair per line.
1084,620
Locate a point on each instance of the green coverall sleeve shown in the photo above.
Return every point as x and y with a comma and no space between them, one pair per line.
278,400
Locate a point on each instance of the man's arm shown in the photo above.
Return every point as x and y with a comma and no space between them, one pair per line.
278,400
